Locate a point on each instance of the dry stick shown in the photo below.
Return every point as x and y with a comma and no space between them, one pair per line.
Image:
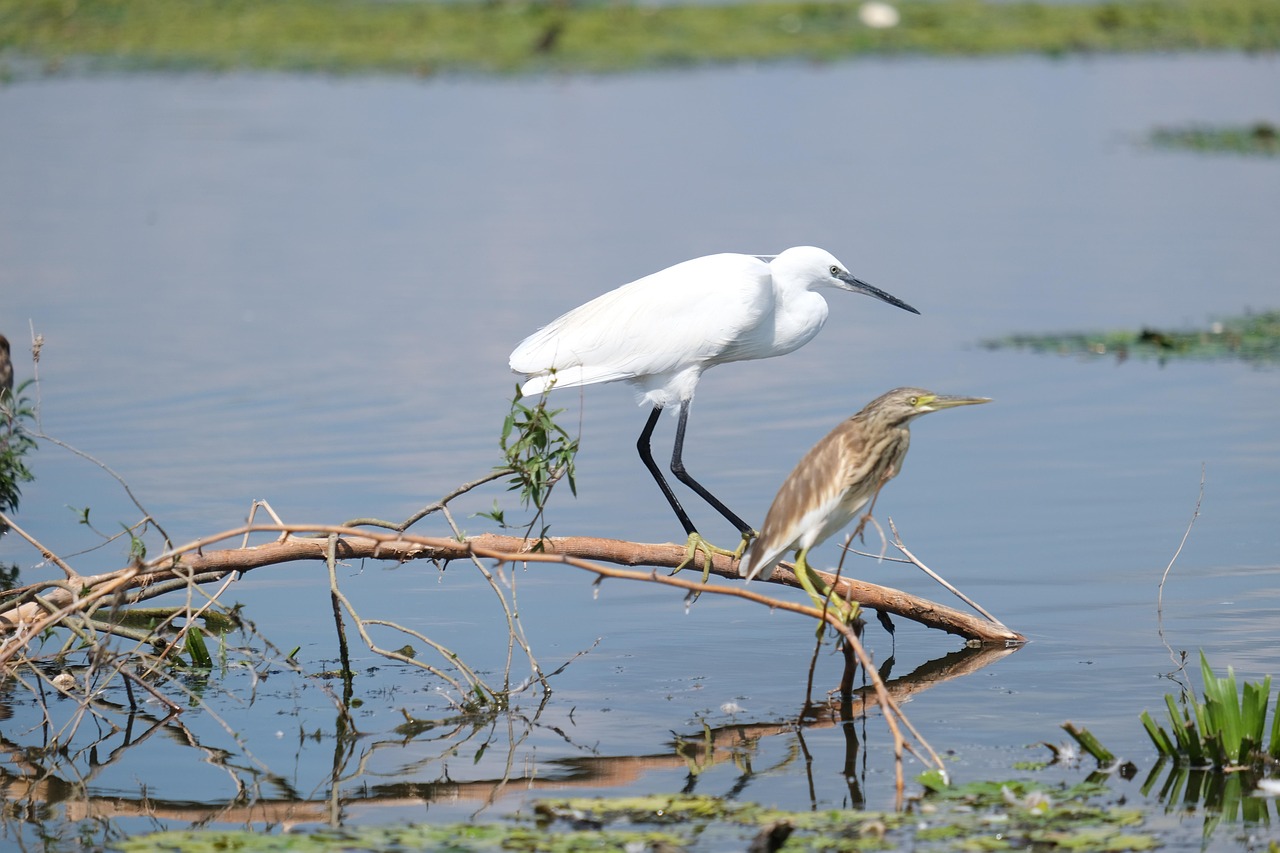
174,708
515,632
344,655
897,543
892,709
403,547
360,623
24,635
189,617
104,586
850,664
105,467
406,547
429,508
847,678
45,553
253,511
502,601
1160,589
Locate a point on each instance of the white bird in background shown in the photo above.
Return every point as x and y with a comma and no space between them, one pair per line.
661,332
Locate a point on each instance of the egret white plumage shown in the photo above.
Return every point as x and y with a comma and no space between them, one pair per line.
840,475
661,332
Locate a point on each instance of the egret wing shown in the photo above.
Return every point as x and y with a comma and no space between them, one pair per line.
684,315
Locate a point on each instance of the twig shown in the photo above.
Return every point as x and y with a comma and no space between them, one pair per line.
817,646
344,654
110,471
360,623
1165,575
173,707
23,635
897,543
498,473
45,553
253,511
400,546
189,618
515,634
892,712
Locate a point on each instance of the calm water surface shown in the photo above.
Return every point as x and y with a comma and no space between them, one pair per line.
305,290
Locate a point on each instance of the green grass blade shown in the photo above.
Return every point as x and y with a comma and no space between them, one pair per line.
1254,710
1274,751
1183,728
197,649
1089,743
1223,699
1163,742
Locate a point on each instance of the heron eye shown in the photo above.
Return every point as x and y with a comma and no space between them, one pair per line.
835,271
915,401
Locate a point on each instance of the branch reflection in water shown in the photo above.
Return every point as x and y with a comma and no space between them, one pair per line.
41,778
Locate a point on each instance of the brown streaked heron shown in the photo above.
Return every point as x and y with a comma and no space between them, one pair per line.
6,367
661,332
840,475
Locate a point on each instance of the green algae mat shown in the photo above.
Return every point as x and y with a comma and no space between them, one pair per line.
980,816
1252,338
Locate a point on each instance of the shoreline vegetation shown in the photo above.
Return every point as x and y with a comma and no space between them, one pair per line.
496,37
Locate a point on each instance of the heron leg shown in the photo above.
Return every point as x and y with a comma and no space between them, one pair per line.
825,597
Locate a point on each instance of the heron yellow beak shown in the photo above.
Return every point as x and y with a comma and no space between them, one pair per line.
934,402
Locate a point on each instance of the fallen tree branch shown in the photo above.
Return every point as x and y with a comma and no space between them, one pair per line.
196,559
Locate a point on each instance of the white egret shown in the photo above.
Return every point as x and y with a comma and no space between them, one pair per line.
661,332
839,476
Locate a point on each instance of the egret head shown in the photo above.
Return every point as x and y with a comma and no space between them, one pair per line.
817,268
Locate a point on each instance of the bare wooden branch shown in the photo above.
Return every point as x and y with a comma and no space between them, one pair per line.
199,559
45,553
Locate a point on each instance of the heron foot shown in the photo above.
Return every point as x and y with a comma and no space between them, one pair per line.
824,596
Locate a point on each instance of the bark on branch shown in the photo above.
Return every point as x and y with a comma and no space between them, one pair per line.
197,561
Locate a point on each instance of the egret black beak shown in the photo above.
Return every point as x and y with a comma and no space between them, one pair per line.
859,286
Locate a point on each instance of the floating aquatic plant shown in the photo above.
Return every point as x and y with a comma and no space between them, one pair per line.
1253,338
1261,139
1225,731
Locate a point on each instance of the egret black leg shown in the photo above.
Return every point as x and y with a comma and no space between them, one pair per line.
677,468
646,456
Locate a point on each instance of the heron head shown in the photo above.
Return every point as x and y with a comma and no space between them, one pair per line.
903,404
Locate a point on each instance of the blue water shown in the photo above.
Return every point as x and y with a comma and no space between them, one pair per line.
305,290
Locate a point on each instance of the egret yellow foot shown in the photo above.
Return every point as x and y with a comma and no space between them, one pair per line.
696,543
